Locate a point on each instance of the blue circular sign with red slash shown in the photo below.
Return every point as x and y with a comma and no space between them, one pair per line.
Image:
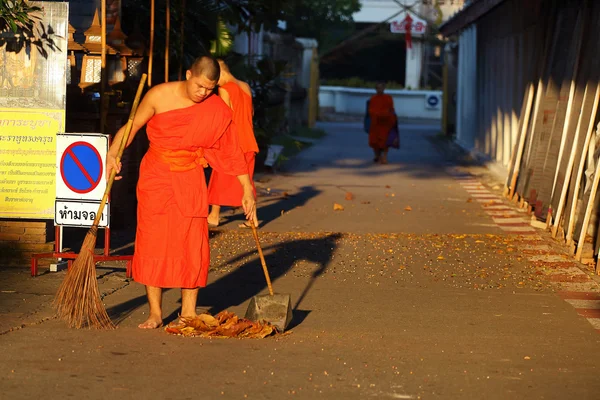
81,167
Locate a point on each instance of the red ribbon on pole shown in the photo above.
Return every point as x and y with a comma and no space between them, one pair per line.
408,30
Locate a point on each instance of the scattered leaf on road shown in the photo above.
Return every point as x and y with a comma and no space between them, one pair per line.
408,208
349,196
338,207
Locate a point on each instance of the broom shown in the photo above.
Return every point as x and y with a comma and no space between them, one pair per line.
78,300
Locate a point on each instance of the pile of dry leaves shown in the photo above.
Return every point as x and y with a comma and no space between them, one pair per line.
223,325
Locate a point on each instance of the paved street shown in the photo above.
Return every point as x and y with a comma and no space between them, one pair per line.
426,285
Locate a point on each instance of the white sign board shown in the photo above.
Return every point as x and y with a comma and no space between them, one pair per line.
79,213
80,166
418,25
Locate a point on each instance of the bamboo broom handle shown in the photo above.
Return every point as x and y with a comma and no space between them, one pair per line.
122,145
262,258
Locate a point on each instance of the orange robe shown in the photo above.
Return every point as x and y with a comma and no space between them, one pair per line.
171,244
225,190
383,119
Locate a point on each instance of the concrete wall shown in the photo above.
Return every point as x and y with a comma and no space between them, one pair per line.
408,103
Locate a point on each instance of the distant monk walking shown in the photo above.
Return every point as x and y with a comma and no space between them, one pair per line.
223,189
187,127
383,119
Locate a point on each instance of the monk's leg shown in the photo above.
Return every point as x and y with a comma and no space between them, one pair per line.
188,302
154,321
213,216
384,159
377,153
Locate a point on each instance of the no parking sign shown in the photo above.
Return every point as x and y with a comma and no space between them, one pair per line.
80,178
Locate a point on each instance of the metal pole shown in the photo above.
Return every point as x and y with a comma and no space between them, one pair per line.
103,75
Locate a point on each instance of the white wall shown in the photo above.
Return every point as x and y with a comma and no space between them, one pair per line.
407,103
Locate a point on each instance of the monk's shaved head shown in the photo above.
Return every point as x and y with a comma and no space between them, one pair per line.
206,66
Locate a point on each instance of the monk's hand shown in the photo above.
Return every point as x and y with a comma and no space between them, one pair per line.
113,165
249,206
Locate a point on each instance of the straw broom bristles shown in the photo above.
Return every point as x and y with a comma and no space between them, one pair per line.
78,299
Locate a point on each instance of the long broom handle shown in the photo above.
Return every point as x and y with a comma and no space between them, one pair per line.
122,145
262,258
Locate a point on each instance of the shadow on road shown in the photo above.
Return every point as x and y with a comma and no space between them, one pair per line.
248,280
274,204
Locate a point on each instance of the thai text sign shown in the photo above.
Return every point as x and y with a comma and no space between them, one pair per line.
32,112
27,162
79,213
417,25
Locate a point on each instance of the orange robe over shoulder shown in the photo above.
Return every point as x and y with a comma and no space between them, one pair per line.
223,189
381,111
171,244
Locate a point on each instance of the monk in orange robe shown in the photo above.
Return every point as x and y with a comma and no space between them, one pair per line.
187,126
383,119
223,190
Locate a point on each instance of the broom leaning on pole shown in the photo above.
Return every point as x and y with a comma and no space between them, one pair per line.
78,300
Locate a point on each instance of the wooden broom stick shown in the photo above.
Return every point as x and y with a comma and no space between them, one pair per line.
580,170
123,144
262,257
78,299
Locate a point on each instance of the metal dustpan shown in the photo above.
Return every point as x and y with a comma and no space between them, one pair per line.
273,308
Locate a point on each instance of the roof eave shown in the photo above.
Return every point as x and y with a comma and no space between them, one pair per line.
467,16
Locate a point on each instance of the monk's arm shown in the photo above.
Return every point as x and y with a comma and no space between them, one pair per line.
143,114
248,199
224,95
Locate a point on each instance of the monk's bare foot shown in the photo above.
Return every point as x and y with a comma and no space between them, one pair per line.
213,220
247,225
151,323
